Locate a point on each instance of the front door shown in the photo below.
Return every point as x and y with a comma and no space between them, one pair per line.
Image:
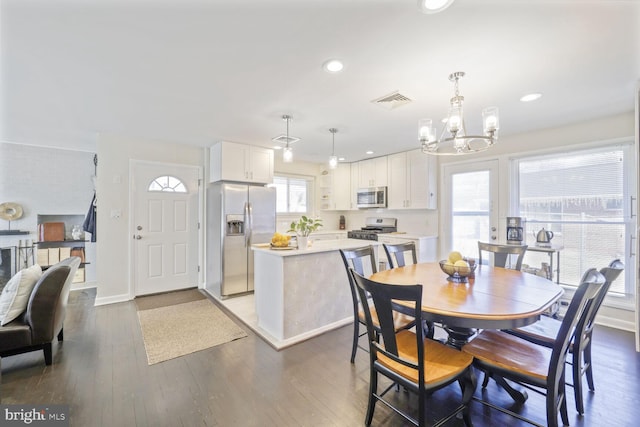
165,227
470,208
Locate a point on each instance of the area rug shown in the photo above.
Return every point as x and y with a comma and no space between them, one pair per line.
168,298
176,330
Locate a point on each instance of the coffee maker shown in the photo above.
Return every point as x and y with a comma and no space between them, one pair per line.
515,230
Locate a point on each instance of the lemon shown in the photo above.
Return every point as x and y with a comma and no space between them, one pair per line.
454,256
461,263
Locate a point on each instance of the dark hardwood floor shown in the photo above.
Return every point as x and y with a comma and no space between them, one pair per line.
101,371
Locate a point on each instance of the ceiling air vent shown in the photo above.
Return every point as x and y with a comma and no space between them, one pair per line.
282,139
392,100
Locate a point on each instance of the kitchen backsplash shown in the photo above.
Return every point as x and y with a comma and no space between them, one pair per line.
418,221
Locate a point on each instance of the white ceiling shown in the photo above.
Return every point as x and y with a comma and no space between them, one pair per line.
197,72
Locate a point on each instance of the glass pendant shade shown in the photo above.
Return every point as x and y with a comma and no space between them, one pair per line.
333,162
287,155
490,120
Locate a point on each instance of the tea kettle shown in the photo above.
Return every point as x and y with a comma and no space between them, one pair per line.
544,237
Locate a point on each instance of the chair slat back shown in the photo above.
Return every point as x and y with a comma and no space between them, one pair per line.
397,252
610,273
501,253
357,259
383,296
583,298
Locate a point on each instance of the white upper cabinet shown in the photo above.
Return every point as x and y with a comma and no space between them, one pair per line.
412,181
373,172
355,184
342,187
230,161
335,188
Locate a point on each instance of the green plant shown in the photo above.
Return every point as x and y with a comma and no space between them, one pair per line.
305,225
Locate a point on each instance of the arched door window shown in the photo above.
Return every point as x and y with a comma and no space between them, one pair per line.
167,184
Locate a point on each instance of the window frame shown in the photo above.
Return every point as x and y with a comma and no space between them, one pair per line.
310,181
618,300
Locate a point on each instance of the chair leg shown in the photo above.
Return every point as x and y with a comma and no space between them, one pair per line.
563,410
48,354
586,354
373,388
428,329
468,383
577,381
552,406
356,333
61,335
485,381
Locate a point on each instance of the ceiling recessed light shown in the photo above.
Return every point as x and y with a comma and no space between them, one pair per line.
530,97
342,159
277,147
369,152
433,6
333,66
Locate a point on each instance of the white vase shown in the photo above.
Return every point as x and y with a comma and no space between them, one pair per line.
303,242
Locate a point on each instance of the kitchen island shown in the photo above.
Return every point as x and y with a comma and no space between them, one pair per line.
302,293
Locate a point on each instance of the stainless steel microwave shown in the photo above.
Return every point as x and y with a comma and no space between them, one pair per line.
372,197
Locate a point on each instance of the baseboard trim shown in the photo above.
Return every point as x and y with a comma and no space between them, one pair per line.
612,322
112,299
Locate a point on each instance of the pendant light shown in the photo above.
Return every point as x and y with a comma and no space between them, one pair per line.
287,153
333,160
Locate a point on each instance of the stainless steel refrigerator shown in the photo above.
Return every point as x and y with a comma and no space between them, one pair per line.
238,216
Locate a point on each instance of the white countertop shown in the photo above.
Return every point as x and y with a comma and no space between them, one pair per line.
316,247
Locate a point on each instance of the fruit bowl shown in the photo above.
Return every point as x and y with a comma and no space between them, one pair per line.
458,274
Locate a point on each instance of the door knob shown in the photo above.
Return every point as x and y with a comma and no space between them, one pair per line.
139,228
138,237
492,237
493,229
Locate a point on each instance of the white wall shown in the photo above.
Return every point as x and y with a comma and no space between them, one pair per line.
114,235
45,181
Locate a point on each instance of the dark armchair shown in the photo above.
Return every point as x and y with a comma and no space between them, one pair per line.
42,322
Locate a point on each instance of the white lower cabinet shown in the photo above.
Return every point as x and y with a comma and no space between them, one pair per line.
330,235
426,246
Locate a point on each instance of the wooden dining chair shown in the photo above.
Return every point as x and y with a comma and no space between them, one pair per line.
502,254
407,358
363,261
507,357
545,331
396,253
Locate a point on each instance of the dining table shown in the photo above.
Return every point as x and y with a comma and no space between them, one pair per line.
493,298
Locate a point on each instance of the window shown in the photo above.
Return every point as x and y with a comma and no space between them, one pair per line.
167,184
294,194
579,196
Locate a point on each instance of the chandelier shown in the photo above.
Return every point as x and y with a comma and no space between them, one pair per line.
457,141
333,160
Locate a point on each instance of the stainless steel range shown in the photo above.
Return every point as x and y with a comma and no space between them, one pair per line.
373,227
